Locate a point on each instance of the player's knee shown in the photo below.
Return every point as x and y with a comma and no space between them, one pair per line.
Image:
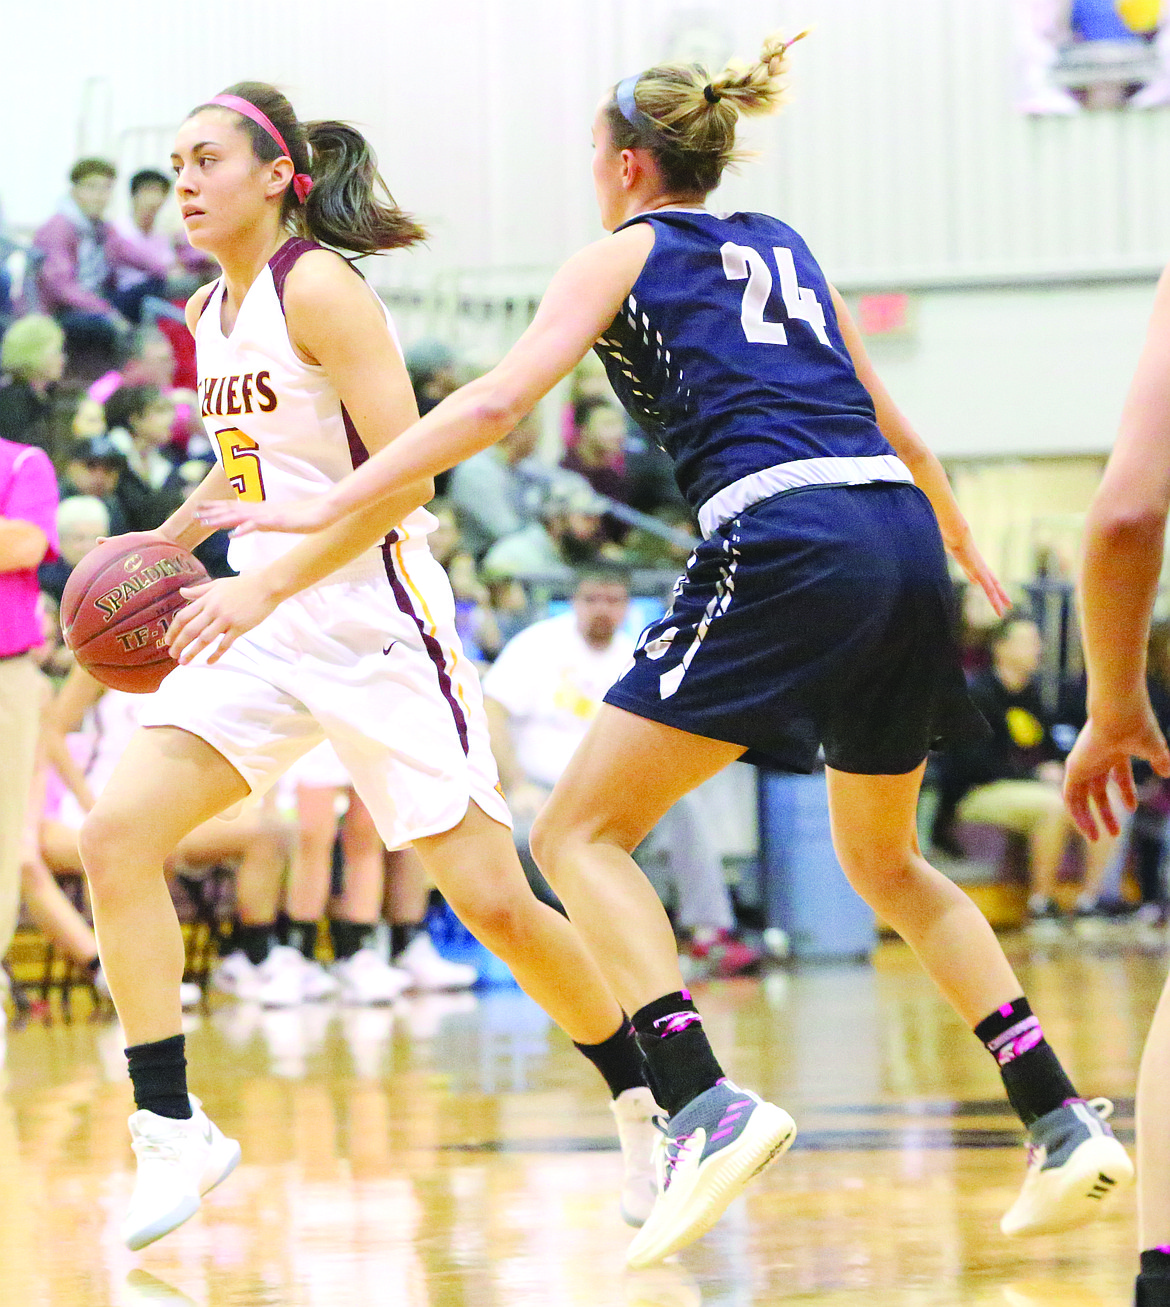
98,841
495,919
881,873
108,842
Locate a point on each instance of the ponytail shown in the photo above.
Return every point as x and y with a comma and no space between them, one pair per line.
345,204
687,119
350,206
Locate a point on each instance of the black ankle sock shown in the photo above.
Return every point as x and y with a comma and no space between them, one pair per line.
679,1061
618,1058
1035,1081
402,933
158,1072
254,941
1153,1284
302,935
348,937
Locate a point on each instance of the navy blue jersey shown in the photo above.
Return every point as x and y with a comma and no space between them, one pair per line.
728,353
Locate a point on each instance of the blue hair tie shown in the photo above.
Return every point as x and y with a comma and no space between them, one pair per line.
627,106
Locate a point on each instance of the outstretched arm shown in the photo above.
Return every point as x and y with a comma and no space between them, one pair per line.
1124,538
580,303
924,466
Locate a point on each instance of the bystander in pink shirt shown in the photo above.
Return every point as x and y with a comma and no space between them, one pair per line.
28,490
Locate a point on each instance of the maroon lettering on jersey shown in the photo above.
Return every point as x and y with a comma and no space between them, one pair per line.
268,403
232,407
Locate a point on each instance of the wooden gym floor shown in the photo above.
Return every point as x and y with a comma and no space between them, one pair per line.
455,1152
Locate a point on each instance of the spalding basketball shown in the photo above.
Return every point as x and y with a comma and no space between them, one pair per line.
118,603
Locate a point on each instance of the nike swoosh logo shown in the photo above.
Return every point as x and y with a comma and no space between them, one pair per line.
389,646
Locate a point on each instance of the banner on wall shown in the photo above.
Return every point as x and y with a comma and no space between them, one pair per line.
1078,55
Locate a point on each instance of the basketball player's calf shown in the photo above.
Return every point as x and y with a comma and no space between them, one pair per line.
716,1136
180,1153
477,871
1075,1164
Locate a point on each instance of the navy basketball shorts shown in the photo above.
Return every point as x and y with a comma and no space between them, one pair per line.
820,618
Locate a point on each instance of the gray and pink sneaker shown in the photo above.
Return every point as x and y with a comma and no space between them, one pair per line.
1076,1168
707,1153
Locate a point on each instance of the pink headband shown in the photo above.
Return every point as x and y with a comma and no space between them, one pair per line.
302,182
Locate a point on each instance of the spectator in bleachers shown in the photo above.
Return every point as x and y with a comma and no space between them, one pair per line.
541,694
81,521
80,254
498,491
28,536
152,363
188,268
32,359
599,456
94,467
1013,779
139,420
89,419
566,536
588,382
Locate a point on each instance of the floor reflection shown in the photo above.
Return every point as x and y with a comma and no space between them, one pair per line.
451,1151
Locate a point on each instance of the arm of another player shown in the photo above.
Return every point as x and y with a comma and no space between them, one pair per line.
334,321
925,468
580,303
64,715
1124,539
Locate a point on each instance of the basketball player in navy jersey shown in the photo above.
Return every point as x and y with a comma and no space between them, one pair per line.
816,613
300,376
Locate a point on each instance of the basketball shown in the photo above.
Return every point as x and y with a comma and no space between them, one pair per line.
118,603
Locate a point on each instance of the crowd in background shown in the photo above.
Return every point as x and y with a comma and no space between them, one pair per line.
541,539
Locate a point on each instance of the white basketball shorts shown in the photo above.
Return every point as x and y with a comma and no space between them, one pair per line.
371,664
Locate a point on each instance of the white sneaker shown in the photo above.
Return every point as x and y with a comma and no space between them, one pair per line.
429,970
316,982
1075,1168
236,975
178,1162
706,1154
283,978
634,1111
365,978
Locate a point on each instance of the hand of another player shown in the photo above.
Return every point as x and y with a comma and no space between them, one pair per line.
301,517
968,557
219,611
1102,754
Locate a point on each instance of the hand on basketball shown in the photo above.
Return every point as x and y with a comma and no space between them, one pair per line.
219,611
1102,754
301,517
968,557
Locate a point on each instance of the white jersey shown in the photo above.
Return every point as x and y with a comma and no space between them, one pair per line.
278,428
369,658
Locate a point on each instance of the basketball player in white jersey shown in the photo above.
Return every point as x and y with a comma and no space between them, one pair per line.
300,376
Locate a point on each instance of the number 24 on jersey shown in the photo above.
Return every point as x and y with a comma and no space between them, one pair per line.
801,304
